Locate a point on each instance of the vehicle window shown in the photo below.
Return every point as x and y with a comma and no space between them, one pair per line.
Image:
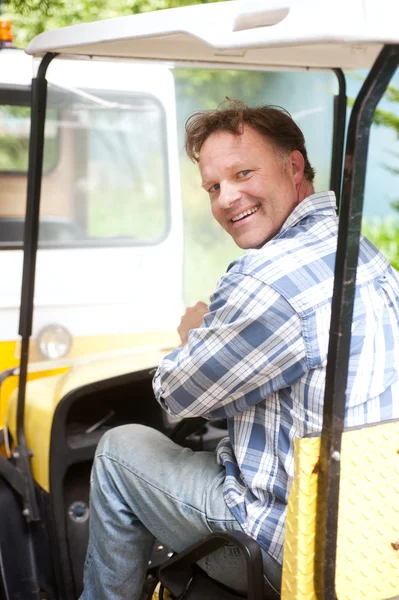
112,174
126,169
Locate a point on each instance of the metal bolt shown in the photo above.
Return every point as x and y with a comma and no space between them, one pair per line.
26,512
16,455
336,456
78,511
160,547
170,554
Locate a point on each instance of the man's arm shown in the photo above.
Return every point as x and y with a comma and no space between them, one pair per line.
249,345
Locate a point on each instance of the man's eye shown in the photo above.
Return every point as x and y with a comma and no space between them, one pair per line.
244,173
214,188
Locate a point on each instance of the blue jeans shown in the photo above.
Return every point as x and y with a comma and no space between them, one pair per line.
144,486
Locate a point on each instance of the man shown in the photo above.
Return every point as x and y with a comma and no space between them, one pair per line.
257,357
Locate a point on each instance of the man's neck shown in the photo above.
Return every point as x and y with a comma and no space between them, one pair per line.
304,190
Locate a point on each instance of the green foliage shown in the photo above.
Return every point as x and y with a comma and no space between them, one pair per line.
13,154
191,84
13,146
386,118
14,140
384,234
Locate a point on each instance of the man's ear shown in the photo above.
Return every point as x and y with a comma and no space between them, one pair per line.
297,163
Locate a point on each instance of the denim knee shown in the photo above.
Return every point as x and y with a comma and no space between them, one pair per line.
119,443
132,439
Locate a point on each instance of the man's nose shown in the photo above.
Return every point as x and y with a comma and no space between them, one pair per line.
229,193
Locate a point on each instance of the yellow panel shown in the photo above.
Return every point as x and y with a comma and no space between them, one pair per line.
368,524
8,358
299,545
7,361
10,384
44,395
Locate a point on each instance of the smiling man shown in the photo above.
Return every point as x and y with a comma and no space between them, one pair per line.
256,357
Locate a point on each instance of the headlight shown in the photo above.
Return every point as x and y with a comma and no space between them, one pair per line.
54,341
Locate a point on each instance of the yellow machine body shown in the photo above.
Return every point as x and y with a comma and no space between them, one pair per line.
44,394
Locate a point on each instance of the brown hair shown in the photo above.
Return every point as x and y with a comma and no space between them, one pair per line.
274,122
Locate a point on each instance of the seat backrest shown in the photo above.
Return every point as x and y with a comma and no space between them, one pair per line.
368,524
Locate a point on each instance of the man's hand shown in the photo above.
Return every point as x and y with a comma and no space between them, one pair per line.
191,319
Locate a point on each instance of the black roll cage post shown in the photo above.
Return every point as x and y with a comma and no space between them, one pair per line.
337,155
20,476
351,210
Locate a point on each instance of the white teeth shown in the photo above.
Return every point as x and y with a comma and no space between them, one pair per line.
244,214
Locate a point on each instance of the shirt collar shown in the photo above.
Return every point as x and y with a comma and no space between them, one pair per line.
324,203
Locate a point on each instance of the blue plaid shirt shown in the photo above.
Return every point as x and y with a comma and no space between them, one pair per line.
259,360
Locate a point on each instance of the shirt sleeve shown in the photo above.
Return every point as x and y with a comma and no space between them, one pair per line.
250,345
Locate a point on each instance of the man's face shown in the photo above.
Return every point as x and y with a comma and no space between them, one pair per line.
252,190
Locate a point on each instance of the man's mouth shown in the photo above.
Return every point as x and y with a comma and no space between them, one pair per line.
245,214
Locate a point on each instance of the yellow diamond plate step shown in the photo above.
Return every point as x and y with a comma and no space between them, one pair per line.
368,524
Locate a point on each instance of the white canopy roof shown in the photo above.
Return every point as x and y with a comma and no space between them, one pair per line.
247,33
